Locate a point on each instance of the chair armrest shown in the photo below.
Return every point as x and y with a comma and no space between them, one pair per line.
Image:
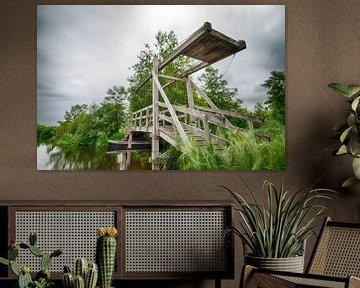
254,277
354,282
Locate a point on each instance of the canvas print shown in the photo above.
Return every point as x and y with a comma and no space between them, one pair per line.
161,87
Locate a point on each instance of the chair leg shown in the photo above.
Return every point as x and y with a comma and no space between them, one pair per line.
246,274
250,278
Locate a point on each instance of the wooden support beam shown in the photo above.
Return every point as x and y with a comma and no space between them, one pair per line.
189,91
197,34
155,141
172,112
171,78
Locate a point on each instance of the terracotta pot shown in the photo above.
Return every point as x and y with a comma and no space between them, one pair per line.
291,264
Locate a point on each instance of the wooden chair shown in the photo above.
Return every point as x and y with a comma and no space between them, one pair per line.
334,263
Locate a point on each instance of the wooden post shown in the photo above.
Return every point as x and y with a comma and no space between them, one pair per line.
189,90
147,119
130,141
190,98
155,149
206,127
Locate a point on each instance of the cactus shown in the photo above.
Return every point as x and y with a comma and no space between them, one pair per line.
68,280
24,279
13,253
36,251
80,267
4,261
87,272
91,276
57,253
105,254
14,268
32,238
79,282
45,261
23,273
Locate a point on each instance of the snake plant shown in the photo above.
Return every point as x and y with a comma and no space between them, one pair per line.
349,131
279,228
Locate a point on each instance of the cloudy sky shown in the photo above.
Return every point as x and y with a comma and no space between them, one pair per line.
84,50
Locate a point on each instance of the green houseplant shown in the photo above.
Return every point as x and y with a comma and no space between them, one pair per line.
42,278
84,274
106,254
275,233
349,131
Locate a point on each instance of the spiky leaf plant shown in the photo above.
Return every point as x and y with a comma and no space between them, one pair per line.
349,132
279,229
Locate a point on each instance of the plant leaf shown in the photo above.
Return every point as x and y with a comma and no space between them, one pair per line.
351,119
345,133
356,167
353,89
349,182
340,88
342,150
355,103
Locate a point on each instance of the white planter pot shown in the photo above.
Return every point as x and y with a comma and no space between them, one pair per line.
291,264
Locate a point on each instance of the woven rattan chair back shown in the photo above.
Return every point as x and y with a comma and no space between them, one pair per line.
337,252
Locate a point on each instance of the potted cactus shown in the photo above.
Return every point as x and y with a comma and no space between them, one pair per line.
84,275
106,254
42,278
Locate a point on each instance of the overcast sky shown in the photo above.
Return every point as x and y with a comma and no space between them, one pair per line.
84,50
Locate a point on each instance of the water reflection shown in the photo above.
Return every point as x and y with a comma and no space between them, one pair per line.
53,158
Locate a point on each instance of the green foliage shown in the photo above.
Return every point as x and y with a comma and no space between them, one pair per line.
85,274
165,43
245,151
224,97
45,134
43,283
87,126
279,229
105,259
42,278
349,132
216,88
275,85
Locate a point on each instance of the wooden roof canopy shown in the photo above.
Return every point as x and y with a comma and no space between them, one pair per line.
206,45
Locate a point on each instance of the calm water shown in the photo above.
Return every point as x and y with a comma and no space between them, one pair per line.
49,158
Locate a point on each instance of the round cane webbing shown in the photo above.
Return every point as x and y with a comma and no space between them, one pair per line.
74,231
338,253
175,241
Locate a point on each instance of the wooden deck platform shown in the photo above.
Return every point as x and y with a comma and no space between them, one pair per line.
123,145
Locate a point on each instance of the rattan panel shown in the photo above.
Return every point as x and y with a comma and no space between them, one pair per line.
338,253
312,282
175,241
75,231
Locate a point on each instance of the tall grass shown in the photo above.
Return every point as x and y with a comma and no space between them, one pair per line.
245,151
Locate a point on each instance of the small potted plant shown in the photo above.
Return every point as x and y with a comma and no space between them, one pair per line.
42,278
276,233
106,254
349,131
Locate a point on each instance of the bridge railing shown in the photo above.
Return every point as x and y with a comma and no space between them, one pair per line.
141,120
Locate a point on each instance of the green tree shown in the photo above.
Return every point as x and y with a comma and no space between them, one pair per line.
165,43
92,126
216,88
223,96
275,85
45,134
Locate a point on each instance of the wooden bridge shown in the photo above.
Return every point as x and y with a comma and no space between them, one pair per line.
180,124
